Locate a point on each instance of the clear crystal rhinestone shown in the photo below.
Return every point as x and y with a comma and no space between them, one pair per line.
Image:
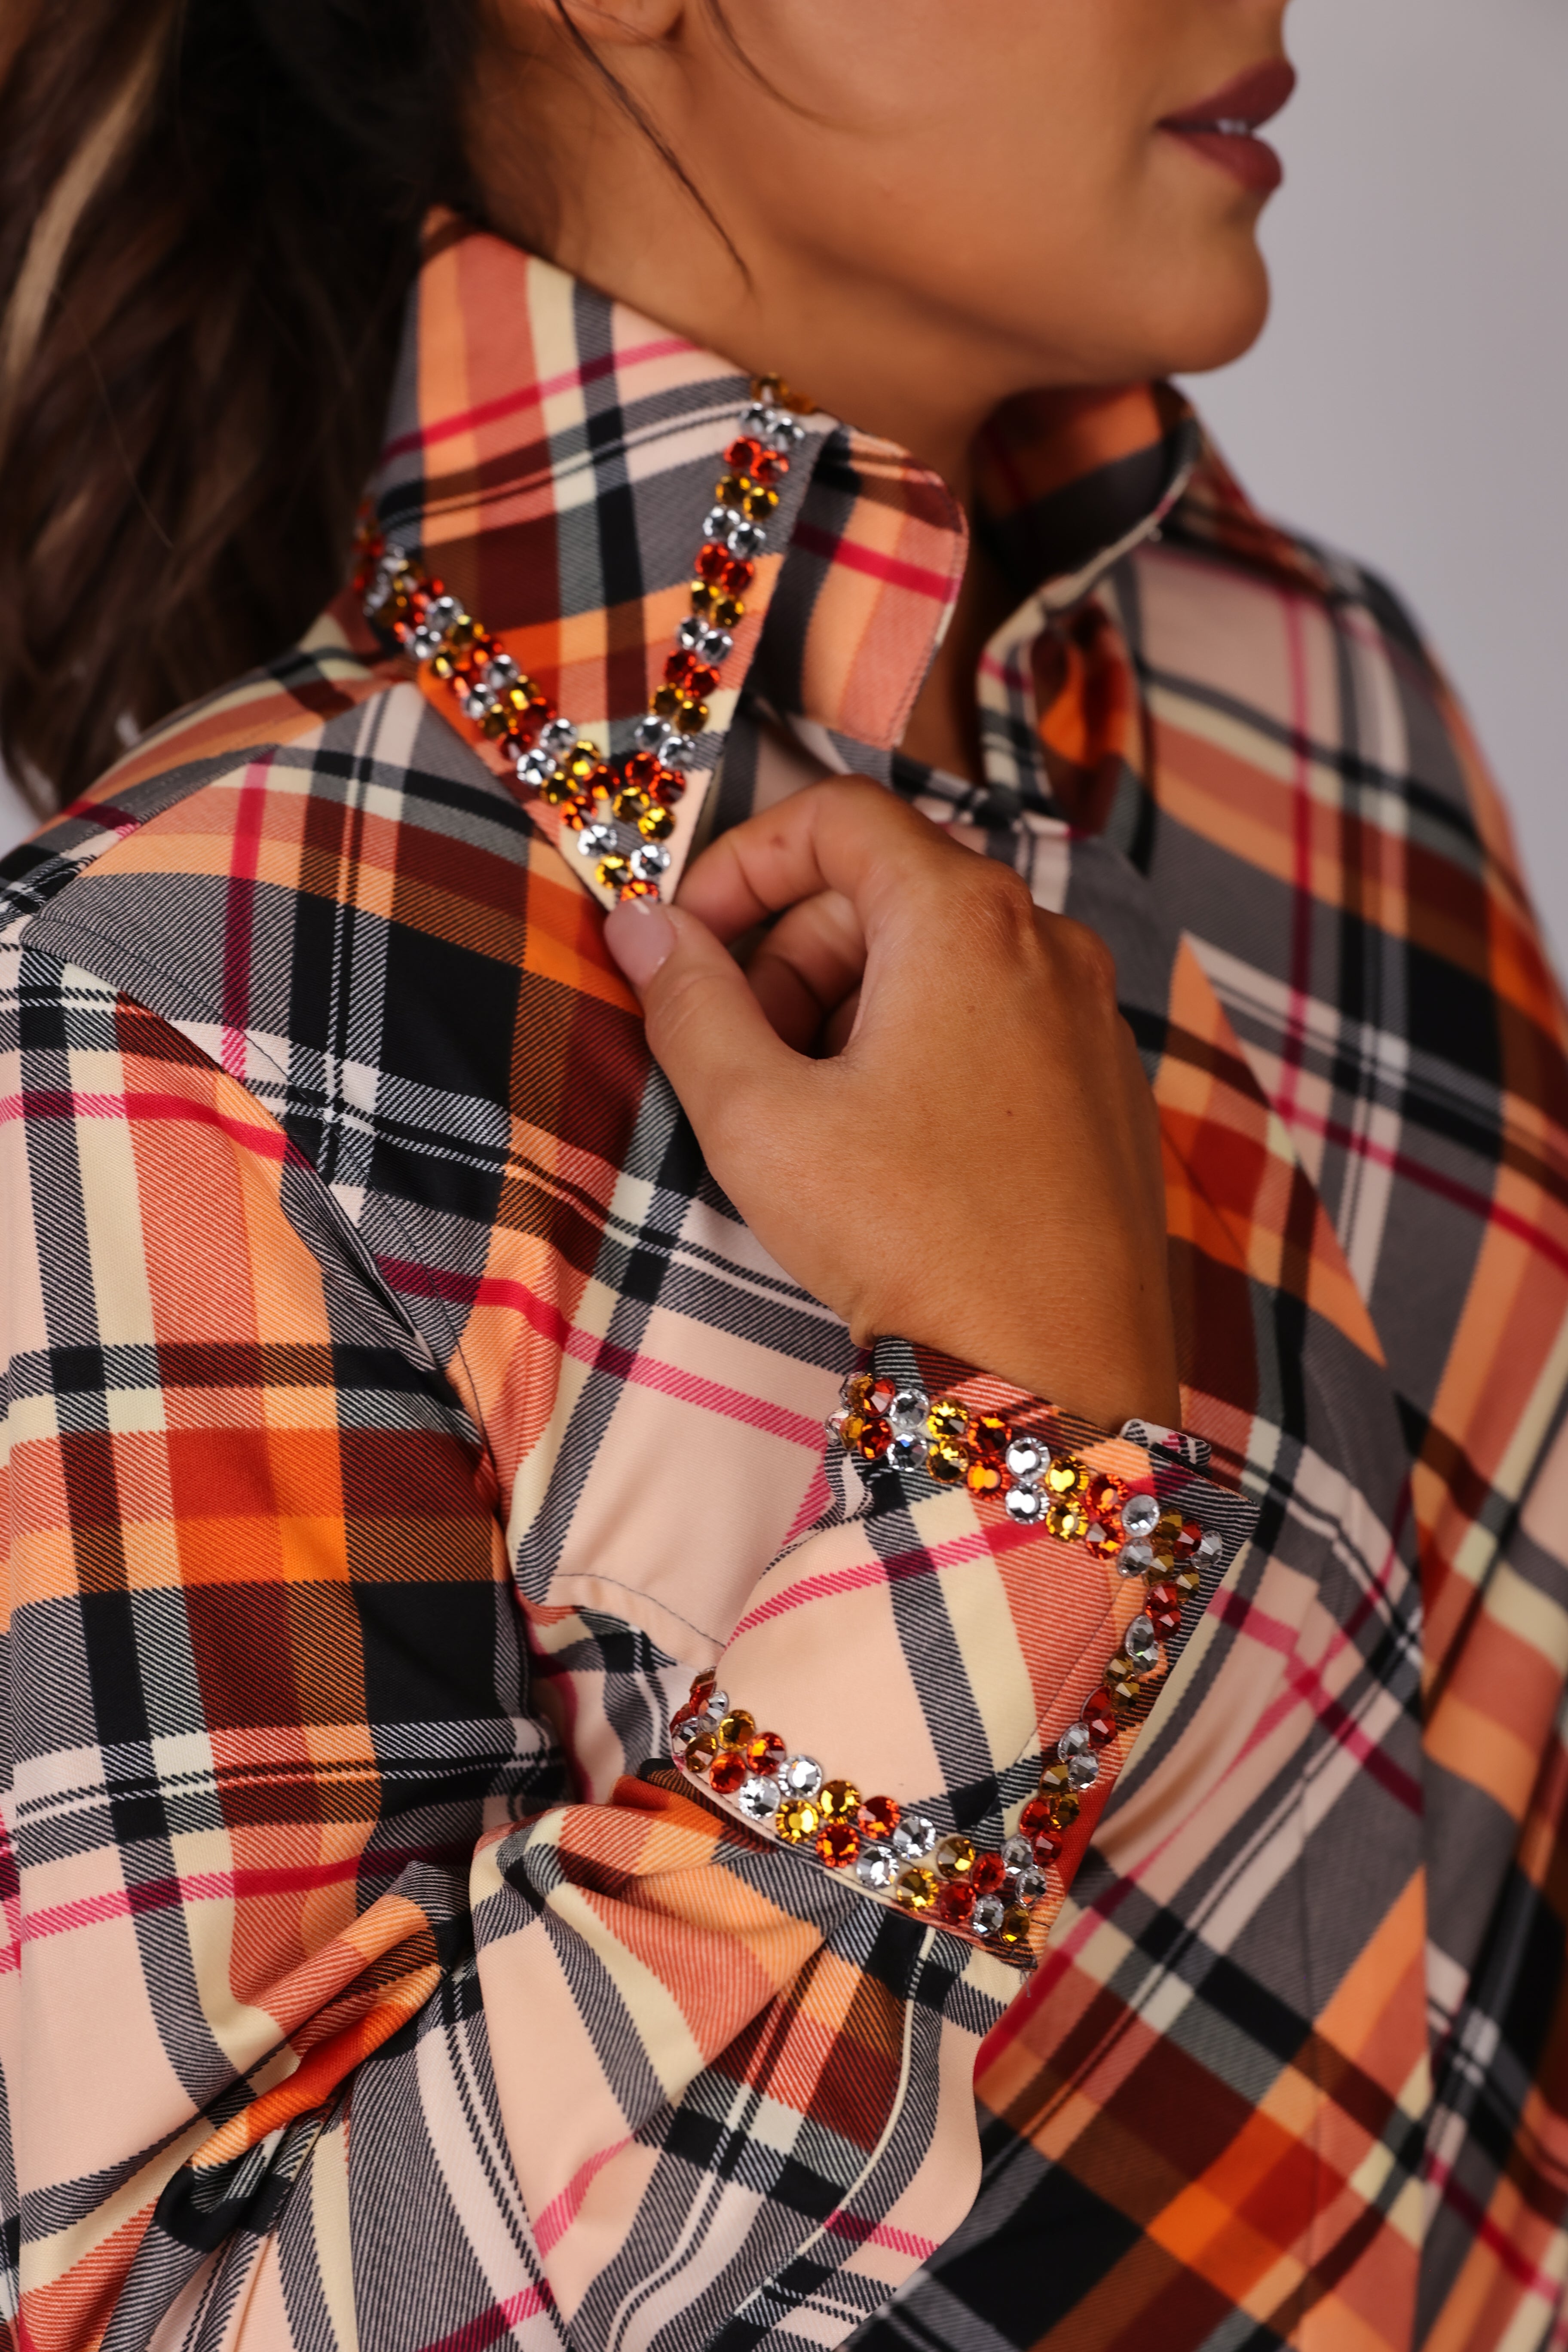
802,1775
1026,1504
427,642
692,632
718,1705
756,420
535,768
746,538
1136,1560
1017,1854
914,1837
715,644
1139,1515
651,861
649,733
1026,1458
1029,1886
675,750
681,1735
1209,1548
597,840
908,1451
877,1866
1073,1742
987,1915
909,1409
719,521
500,672
1140,1643
475,705
759,1798
1084,1771
558,738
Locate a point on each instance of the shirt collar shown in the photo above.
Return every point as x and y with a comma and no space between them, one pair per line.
551,455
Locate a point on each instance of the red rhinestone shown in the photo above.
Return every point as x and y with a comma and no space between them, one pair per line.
991,1436
715,563
770,469
877,1819
689,676
766,1754
1189,1537
989,1875
955,1903
1048,1845
1038,1815
837,1843
876,1436
1099,1719
729,1768
641,770
743,457
738,575
1164,1610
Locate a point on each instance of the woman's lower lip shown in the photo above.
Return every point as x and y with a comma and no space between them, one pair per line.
1250,159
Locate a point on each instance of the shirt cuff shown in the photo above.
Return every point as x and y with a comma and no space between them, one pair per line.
1132,1536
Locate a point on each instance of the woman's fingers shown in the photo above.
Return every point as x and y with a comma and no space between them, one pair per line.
705,1027
803,969
847,835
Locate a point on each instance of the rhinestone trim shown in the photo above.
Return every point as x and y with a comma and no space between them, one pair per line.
620,810
894,1851
884,1427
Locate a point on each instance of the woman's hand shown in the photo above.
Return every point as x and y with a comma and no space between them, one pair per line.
977,1167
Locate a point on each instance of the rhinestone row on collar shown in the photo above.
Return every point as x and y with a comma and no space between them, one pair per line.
619,809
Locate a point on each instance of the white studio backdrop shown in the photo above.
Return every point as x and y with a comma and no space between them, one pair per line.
1410,399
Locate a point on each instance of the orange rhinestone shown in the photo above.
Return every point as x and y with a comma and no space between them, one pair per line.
701,1752
766,1754
729,1771
983,1478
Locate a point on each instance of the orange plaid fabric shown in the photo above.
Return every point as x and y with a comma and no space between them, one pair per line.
398,1418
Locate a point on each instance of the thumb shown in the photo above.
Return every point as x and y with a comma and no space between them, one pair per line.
705,1028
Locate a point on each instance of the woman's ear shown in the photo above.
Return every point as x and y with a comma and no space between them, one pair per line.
605,24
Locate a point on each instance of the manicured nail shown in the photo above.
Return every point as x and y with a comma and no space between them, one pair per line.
640,935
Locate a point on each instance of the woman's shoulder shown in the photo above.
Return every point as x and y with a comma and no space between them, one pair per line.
316,774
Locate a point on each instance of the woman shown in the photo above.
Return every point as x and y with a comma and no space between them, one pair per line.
516,1839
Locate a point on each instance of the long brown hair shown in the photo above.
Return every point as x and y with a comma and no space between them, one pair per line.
208,217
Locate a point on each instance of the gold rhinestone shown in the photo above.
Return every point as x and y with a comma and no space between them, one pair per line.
948,1419
839,1798
1015,1929
737,1730
917,1889
948,1464
956,1857
797,1819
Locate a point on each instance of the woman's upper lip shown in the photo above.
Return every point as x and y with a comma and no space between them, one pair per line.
1248,100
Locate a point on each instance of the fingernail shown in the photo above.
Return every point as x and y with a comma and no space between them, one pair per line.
640,935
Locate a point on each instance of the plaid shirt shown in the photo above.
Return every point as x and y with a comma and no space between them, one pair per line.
398,1418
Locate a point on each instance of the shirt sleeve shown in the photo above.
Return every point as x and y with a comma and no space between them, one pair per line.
327,2005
